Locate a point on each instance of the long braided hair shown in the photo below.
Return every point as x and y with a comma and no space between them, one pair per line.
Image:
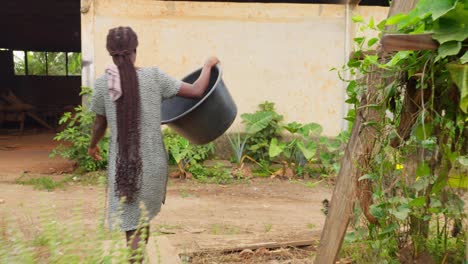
121,44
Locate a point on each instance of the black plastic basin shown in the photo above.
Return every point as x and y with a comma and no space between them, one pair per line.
201,120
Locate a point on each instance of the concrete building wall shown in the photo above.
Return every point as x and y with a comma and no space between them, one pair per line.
277,52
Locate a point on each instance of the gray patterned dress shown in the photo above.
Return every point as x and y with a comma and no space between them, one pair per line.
155,86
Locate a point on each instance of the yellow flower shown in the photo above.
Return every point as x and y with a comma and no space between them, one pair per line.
399,166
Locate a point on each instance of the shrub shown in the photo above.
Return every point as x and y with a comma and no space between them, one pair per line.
218,174
182,153
53,241
261,126
76,137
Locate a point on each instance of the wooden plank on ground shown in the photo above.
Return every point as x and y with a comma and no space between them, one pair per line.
268,245
232,243
398,42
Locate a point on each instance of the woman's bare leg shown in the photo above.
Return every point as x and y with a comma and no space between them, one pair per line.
133,239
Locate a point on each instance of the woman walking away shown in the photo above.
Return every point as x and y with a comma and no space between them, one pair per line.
128,100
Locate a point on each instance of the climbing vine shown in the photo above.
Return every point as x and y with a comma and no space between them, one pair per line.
419,170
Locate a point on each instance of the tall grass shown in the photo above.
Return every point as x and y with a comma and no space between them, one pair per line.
51,240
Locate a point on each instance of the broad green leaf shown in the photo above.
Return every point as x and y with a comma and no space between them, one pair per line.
371,59
258,121
398,57
388,229
351,88
293,127
325,158
401,212
463,160
381,25
332,145
438,8
425,8
395,19
439,184
367,176
420,29
458,181
312,129
464,58
287,152
453,28
359,40
423,132
351,116
429,143
276,148
371,22
309,151
448,49
357,19
459,75
423,170
420,184
418,202
377,211
435,203
351,237
450,34
372,41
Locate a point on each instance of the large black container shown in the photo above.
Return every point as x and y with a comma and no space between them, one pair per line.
201,120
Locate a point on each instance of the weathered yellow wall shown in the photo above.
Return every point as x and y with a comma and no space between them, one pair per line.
277,52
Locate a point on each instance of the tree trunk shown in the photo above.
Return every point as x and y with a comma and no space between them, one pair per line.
358,153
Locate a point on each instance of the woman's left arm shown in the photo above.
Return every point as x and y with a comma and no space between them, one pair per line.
198,88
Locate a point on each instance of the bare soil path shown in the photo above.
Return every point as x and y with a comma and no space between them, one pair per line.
195,217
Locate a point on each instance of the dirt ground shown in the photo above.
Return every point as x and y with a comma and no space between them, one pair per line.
29,153
195,217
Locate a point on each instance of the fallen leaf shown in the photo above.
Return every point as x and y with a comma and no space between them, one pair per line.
262,251
246,253
174,174
247,172
289,173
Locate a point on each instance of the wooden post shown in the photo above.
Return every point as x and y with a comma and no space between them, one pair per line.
358,153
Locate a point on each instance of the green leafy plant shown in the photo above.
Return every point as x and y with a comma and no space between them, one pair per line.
217,174
41,183
238,145
182,153
76,137
261,127
54,241
307,145
416,207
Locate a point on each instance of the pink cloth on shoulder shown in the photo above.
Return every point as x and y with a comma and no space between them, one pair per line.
113,82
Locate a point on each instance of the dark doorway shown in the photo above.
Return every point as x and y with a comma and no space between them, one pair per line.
40,62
